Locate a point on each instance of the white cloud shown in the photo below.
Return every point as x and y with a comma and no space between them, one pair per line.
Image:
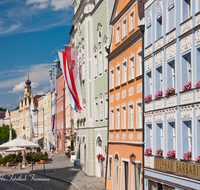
2,92
56,4
7,105
60,4
42,90
54,50
37,73
20,87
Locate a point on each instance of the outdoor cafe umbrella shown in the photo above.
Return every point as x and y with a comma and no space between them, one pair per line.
14,149
18,142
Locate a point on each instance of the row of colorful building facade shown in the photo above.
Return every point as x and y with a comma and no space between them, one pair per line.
139,72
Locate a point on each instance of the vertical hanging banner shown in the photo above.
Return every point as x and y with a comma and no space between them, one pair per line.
68,60
53,122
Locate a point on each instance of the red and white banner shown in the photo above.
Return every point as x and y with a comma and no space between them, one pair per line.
68,60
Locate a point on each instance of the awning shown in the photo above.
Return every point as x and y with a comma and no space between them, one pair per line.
36,139
63,139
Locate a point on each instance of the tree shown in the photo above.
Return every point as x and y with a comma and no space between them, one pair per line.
4,133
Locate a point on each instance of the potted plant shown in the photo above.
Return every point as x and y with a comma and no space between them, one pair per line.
1,160
187,86
38,149
159,152
42,158
148,152
148,98
187,156
170,91
84,120
78,121
197,85
99,156
158,94
198,159
72,121
171,154
83,82
4,161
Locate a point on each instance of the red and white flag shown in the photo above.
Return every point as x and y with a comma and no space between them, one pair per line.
68,60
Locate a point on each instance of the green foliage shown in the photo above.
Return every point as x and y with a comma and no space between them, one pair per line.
31,157
0,156
2,109
4,161
4,133
38,149
42,156
70,148
1,160
19,159
9,158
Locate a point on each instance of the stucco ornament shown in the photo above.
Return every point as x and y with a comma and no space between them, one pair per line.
171,113
159,115
197,107
123,136
139,88
112,98
131,91
117,96
117,136
148,117
130,136
123,94
186,112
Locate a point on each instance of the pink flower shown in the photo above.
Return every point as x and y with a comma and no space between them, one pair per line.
187,86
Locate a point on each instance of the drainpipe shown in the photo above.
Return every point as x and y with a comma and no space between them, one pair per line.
142,28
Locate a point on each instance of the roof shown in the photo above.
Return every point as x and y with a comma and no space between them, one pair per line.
16,108
2,115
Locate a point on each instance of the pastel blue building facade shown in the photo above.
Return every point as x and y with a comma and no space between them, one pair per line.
171,60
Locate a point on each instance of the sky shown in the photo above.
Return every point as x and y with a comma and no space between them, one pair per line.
31,32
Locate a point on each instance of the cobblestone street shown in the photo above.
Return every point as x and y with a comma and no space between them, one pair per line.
62,169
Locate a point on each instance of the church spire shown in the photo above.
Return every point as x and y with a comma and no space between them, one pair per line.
27,91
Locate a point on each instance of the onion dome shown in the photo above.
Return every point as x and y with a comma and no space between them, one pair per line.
28,83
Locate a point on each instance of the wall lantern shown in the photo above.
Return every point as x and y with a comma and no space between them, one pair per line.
132,158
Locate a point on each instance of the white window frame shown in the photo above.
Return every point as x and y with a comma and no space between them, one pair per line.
112,120
110,168
131,20
131,115
118,33
139,62
100,62
174,137
190,137
112,78
189,11
132,66
101,109
124,71
162,137
105,59
117,75
106,106
96,110
122,171
95,66
124,115
173,76
124,28
139,114
117,117
189,71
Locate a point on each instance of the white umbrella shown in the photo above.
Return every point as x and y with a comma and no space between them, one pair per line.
18,142
14,149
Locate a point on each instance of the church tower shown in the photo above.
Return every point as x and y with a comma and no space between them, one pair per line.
27,91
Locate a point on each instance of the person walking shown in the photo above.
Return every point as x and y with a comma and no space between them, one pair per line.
53,149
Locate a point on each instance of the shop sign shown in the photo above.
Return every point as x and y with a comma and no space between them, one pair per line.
179,167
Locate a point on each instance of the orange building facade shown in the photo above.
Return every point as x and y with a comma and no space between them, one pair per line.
125,146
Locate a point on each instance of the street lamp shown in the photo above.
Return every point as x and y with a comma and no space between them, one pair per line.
132,158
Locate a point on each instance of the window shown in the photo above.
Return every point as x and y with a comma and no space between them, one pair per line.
100,62
125,175
148,36
171,15
186,136
117,117
118,74
111,118
105,60
124,72
118,34
198,65
171,74
159,28
148,83
171,136
139,114
159,136
110,168
139,62
95,66
96,110
123,126
186,68
130,115
106,107
149,136
159,79
186,9
124,28
112,78
131,67
101,110
131,21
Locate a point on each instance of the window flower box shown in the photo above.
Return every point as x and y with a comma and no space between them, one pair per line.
170,91
148,98
198,159
186,86
187,156
197,85
159,153
171,154
72,121
148,152
158,94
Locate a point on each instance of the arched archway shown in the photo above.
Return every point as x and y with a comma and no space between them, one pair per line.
98,163
115,172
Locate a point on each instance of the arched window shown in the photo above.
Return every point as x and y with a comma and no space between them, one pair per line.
186,9
159,21
171,14
148,24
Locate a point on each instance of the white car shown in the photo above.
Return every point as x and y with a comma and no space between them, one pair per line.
73,156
